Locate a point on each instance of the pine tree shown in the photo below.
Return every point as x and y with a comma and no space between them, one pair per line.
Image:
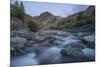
22,7
22,10
16,4
18,10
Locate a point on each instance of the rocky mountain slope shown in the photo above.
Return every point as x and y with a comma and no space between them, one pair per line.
47,20
44,20
81,19
17,25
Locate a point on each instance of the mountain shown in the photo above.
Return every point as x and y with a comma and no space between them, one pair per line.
46,14
85,19
43,20
46,20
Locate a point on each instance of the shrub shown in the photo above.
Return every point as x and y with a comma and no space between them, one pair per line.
69,24
32,26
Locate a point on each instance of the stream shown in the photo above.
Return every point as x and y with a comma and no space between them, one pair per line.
47,55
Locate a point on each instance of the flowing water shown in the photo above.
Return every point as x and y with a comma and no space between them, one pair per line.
47,56
27,59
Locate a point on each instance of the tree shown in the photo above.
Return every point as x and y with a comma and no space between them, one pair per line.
22,7
22,10
16,4
18,10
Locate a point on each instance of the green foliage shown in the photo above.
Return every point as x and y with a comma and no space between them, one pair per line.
22,9
80,21
17,10
68,25
81,16
89,20
32,26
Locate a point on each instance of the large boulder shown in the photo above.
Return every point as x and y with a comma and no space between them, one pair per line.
89,53
57,42
18,41
86,53
75,45
75,52
38,39
18,45
81,34
89,40
50,39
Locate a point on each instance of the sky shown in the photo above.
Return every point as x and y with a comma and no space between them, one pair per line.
36,8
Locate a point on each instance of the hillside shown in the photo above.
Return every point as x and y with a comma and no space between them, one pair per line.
45,20
48,21
84,19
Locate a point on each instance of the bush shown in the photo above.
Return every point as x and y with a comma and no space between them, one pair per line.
32,26
69,25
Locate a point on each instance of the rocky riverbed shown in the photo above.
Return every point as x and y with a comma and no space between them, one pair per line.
50,47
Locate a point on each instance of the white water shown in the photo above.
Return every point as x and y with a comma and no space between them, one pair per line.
68,40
